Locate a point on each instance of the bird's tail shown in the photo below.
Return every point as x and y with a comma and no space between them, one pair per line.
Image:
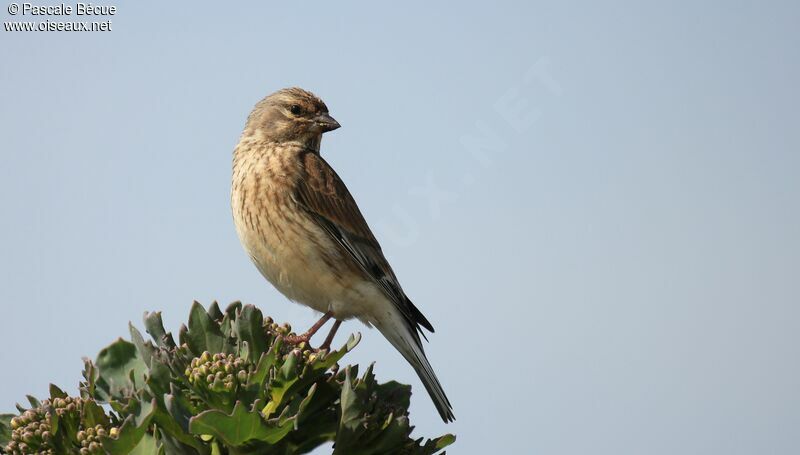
406,340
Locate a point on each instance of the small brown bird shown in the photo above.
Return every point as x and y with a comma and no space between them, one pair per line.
304,232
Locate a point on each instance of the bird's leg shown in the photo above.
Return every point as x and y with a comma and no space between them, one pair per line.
329,339
297,339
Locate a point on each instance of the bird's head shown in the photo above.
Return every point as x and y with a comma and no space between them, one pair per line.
291,115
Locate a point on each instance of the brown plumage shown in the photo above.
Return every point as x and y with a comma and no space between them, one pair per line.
304,232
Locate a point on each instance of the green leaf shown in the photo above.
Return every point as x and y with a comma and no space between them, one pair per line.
176,408
238,428
444,441
230,315
280,385
148,445
120,371
214,312
232,309
398,394
155,327
33,401
259,376
55,392
295,410
352,402
5,428
158,376
203,333
145,349
93,414
167,424
392,436
90,374
132,430
248,328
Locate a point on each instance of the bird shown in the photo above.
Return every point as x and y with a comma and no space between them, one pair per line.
304,232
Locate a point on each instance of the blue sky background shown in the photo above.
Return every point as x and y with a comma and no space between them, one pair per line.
614,270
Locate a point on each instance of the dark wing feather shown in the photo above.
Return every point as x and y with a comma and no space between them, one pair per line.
323,194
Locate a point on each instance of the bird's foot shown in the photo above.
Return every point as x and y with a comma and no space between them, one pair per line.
304,338
326,346
297,339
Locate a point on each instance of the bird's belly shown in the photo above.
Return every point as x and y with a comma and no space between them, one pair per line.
293,262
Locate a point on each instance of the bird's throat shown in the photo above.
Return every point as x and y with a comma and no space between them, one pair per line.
312,142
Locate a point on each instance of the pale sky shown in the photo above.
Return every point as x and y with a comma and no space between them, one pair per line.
597,206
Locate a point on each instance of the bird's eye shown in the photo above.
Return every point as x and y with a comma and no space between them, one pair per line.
296,109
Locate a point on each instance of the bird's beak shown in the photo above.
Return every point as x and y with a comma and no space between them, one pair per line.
326,122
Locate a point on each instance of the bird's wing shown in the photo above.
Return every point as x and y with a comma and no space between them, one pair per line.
323,194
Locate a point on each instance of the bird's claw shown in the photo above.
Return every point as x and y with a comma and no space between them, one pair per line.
297,339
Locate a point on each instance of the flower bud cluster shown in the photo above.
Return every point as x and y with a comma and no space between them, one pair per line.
304,353
218,372
275,329
31,431
89,440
